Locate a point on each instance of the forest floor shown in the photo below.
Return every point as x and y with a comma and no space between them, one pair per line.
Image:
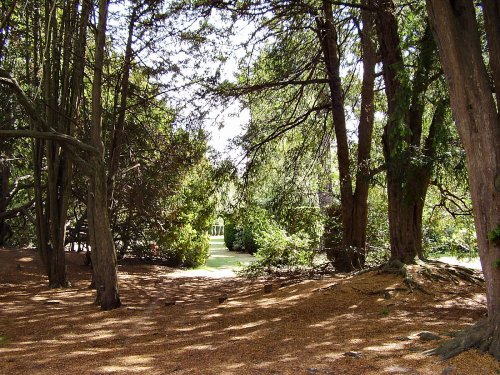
344,324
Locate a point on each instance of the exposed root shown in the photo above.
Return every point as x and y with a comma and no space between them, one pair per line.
395,267
439,271
433,271
483,335
413,285
399,268
380,291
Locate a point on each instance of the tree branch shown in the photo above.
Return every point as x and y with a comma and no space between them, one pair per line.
50,135
67,142
16,211
238,91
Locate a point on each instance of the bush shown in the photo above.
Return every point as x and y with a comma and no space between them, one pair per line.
305,219
245,239
242,227
184,246
230,232
278,249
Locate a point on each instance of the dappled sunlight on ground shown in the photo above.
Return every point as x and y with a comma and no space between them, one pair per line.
179,324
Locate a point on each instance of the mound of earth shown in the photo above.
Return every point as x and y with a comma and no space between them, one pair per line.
365,324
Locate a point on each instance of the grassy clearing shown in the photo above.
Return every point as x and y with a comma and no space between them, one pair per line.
223,259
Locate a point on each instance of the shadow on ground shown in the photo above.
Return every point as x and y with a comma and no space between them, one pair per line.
333,325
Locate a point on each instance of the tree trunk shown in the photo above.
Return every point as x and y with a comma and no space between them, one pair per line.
350,253
101,239
402,219
457,35
406,187
57,172
491,17
6,151
365,129
4,193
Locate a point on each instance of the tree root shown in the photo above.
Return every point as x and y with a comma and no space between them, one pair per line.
483,335
399,268
395,267
433,271
437,271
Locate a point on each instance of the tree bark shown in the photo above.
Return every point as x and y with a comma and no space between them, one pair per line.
350,254
476,116
101,240
491,11
365,129
62,90
6,151
406,187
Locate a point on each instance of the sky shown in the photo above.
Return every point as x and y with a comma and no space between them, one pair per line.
223,124
233,120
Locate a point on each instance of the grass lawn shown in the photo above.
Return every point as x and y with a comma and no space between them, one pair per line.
223,259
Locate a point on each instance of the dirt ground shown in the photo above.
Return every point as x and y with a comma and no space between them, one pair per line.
366,324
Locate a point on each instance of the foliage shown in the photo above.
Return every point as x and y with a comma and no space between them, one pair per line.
448,232
179,221
184,246
304,219
230,231
378,226
245,240
252,229
22,235
279,249
252,221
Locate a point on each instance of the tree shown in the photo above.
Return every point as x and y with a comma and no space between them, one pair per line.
311,82
6,120
407,156
354,202
476,114
52,125
64,37
100,236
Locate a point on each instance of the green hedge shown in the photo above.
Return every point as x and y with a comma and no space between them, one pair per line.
230,232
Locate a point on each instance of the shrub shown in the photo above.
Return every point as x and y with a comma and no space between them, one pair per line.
278,249
245,239
230,232
184,246
305,219
242,227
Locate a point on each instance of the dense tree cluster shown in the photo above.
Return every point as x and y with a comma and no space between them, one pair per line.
91,144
